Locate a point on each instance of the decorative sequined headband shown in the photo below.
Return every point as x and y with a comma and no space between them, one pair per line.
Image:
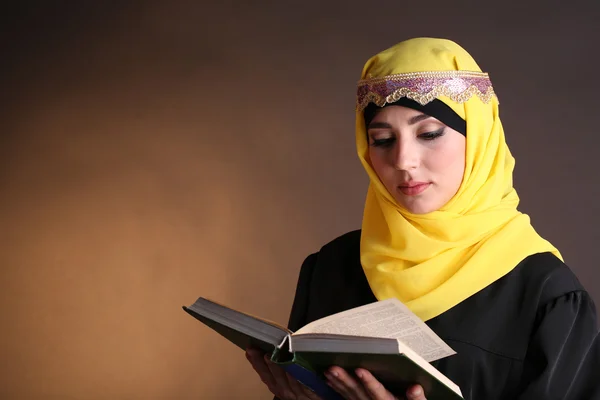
423,87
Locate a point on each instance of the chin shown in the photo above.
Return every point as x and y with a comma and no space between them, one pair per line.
420,211
418,207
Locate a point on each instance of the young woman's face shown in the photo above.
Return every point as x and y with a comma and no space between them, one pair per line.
420,160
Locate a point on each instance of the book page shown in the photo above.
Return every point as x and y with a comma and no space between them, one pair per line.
217,308
384,319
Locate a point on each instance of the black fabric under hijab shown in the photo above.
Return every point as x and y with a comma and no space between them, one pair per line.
531,335
436,109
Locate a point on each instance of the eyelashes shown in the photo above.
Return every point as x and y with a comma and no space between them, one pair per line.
389,141
432,135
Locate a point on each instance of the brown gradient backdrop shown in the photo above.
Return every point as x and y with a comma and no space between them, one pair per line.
152,153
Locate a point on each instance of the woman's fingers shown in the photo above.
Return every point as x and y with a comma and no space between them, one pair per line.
281,379
301,391
373,387
345,384
364,387
279,382
415,392
255,357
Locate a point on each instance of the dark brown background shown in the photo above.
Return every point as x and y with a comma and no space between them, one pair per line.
152,152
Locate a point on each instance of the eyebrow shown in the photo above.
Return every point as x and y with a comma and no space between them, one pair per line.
418,118
385,125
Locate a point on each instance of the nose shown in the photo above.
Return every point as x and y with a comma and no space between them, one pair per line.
406,156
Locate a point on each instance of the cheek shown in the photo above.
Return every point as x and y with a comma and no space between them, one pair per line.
384,171
376,160
380,164
449,161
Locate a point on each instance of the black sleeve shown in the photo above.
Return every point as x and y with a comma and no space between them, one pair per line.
563,358
300,305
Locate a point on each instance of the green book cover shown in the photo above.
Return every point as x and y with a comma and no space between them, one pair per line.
382,337
396,372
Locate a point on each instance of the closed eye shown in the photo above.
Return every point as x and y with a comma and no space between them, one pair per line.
432,135
384,142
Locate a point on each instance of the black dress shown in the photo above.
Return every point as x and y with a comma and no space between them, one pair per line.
532,334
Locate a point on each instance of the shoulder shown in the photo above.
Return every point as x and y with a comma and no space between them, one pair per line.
542,284
340,255
334,279
502,317
323,276
347,241
341,249
535,282
549,275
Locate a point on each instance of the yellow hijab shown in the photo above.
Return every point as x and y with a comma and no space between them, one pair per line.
434,261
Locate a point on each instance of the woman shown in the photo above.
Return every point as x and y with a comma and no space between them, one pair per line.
442,233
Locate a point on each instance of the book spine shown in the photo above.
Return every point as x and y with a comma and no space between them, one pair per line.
312,381
289,339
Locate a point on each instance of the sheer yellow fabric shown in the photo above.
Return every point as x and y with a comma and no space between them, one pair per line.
434,261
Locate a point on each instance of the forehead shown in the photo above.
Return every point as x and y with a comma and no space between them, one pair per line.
398,116
396,112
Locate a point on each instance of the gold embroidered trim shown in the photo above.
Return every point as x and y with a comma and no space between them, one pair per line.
423,87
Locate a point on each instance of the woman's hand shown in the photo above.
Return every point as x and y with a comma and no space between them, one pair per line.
366,387
279,382
285,387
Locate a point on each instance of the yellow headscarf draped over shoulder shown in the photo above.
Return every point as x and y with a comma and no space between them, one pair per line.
432,262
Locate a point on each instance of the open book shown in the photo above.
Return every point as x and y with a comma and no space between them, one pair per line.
384,337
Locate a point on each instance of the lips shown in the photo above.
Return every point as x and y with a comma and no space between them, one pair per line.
413,188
